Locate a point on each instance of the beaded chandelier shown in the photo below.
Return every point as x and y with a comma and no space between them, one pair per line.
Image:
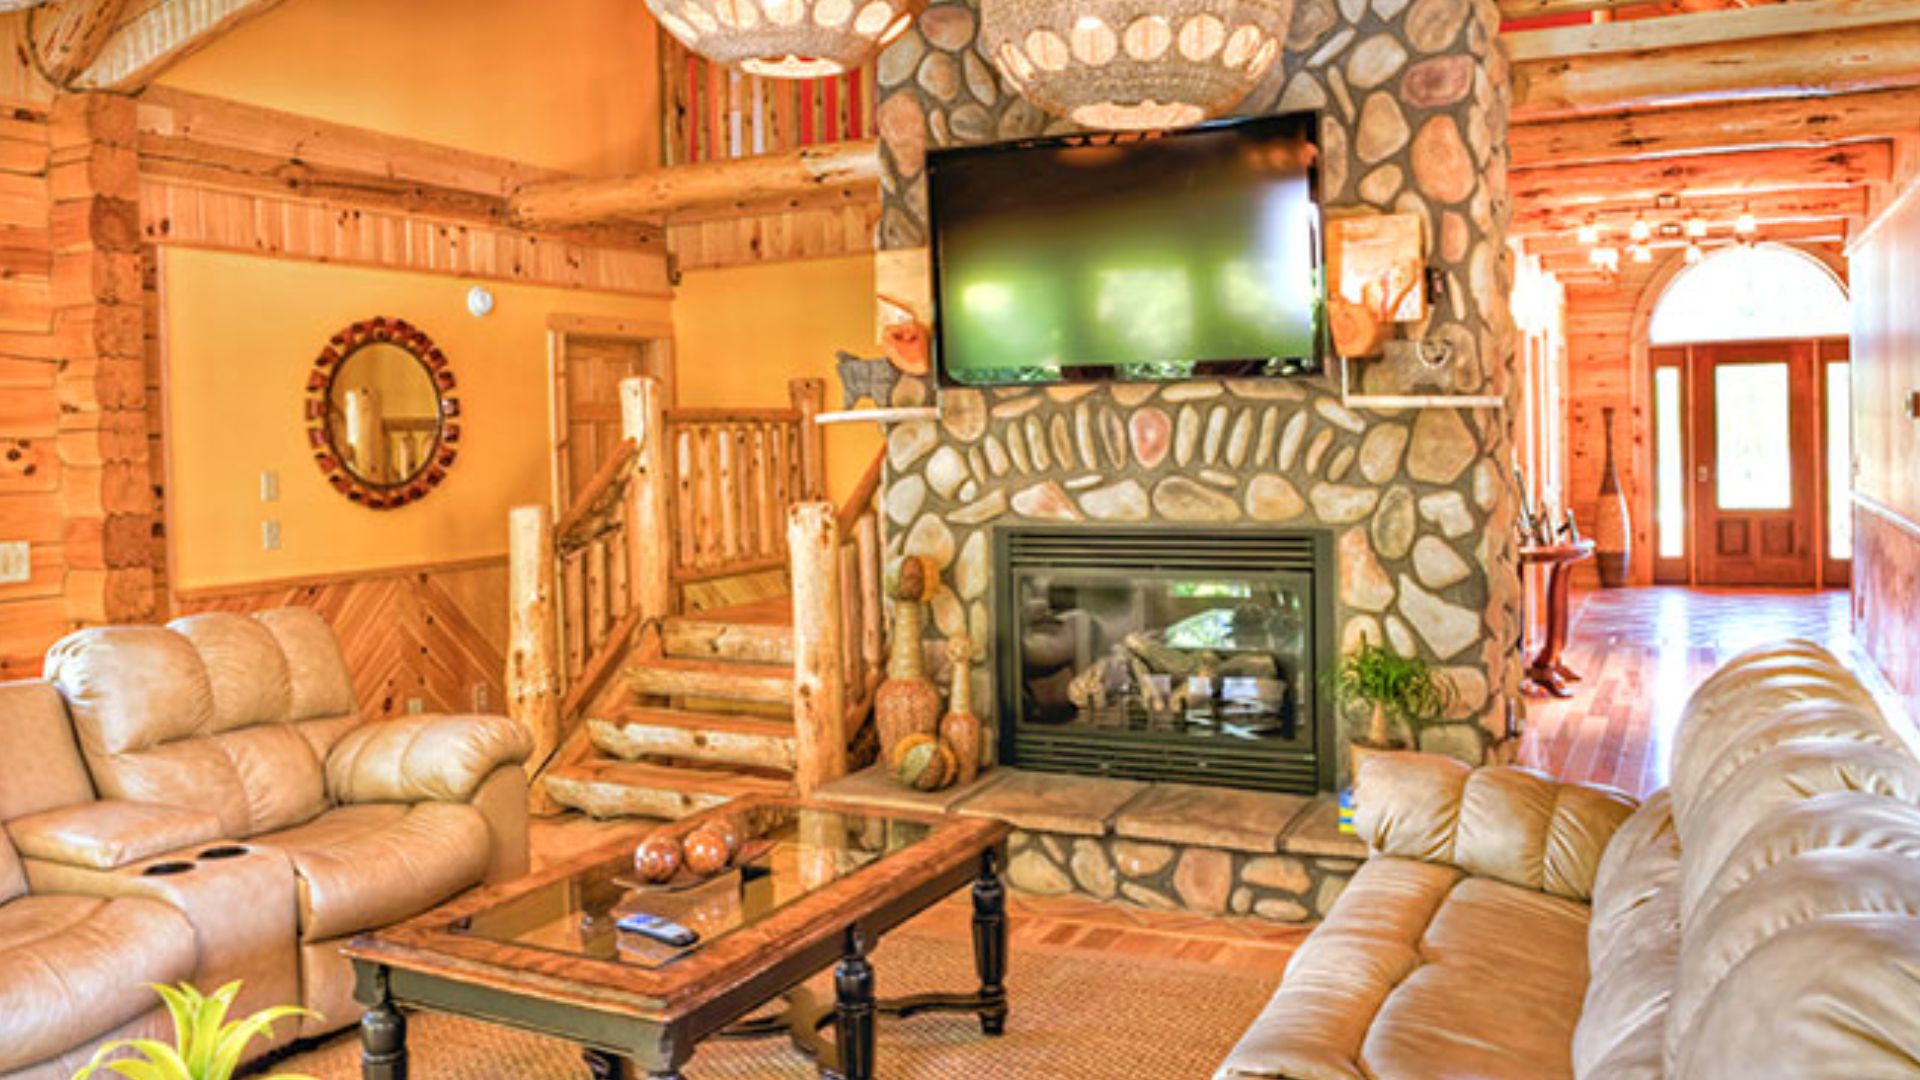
787,39
1134,64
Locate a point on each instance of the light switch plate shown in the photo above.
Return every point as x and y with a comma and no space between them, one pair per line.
270,535
16,562
269,486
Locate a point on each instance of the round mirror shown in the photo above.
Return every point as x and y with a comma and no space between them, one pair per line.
380,413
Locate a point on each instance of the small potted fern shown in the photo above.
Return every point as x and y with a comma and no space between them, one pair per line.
1405,689
206,1046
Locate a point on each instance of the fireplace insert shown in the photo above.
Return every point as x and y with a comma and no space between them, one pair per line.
1166,653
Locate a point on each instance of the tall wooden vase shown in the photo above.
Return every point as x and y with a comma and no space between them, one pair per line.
907,703
1612,527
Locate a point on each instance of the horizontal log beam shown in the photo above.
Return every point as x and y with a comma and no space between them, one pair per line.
1775,207
1802,121
739,182
67,35
1568,244
1556,77
1740,24
160,35
1707,174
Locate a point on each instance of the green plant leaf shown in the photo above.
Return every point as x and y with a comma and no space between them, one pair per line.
233,1039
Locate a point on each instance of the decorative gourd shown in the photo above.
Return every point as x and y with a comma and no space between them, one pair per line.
960,728
924,763
907,703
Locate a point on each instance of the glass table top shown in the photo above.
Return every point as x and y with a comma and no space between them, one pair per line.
786,854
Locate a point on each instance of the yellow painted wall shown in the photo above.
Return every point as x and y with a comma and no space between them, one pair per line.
567,84
741,333
242,333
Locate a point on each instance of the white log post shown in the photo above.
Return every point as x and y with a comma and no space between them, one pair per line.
533,682
819,683
649,520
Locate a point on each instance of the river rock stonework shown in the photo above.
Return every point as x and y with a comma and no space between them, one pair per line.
1413,100
1279,888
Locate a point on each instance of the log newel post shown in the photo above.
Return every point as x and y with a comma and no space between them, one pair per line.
810,400
643,419
533,680
819,680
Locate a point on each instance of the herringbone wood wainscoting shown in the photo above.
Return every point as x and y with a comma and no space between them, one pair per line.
434,633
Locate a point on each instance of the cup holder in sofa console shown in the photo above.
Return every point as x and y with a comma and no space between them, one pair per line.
224,851
167,869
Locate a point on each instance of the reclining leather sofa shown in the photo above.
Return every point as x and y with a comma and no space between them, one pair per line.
202,801
1757,920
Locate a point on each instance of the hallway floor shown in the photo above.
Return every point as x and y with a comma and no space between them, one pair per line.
1642,651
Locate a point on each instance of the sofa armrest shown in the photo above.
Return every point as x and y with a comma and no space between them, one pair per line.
1510,824
423,758
111,833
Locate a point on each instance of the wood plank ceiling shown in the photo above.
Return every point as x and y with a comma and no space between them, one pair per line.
1801,114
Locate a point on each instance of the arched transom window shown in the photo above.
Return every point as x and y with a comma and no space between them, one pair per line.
1751,293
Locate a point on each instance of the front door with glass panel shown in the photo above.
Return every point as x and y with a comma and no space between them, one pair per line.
1755,481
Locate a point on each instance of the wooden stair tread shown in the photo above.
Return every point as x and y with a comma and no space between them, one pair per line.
700,637
607,788
775,611
682,734
770,684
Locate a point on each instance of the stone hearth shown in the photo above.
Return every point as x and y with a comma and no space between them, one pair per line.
1166,846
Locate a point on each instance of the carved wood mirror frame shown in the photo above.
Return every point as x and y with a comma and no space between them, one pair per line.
320,436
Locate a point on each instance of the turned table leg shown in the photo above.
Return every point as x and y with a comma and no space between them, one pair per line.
383,1037
990,943
854,1008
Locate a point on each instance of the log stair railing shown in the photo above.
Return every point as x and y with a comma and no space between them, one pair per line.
644,703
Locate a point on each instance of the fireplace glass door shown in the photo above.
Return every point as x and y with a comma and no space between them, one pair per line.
1168,672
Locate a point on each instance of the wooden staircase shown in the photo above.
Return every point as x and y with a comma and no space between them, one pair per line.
713,676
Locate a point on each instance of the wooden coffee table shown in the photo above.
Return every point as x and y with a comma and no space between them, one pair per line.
815,885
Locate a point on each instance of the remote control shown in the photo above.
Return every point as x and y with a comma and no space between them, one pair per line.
661,930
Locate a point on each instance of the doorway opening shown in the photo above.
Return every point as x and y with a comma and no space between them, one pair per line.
1751,441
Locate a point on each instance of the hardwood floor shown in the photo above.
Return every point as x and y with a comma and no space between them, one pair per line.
1641,653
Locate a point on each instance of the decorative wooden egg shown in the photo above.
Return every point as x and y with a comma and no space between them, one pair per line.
657,859
727,830
706,851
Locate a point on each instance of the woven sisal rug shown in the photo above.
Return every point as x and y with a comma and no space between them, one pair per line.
1076,1016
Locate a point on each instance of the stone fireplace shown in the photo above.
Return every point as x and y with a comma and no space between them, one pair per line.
1181,654
1416,503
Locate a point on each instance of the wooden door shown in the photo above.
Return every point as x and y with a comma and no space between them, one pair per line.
1756,482
588,358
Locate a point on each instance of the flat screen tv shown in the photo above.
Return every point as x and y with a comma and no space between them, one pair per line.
1170,256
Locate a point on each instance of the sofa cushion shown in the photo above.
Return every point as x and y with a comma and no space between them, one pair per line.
319,684
361,867
13,880
73,968
246,671
1448,1022
1519,933
1633,950
439,757
110,833
41,769
1830,999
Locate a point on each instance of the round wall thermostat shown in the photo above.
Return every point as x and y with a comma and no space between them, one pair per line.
479,301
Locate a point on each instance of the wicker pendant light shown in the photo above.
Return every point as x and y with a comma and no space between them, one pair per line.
787,39
1134,64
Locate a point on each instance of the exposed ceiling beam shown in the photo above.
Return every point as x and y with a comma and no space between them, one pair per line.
1804,121
1719,232
1773,207
160,34
767,179
67,35
1575,269
1742,172
1861,45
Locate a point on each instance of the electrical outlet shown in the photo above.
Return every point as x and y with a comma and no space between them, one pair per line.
415,706
16,562
270,486
270,535
480,697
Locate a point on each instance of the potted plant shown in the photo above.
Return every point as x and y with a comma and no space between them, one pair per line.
206,1046
1402,688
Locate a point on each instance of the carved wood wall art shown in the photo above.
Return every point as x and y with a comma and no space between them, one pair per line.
382,416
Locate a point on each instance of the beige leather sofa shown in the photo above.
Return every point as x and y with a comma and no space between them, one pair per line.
202,801
1758,920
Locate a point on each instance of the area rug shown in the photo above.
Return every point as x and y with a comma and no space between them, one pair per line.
1076,1015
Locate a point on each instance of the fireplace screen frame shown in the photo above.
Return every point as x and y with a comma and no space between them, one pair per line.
1163,550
